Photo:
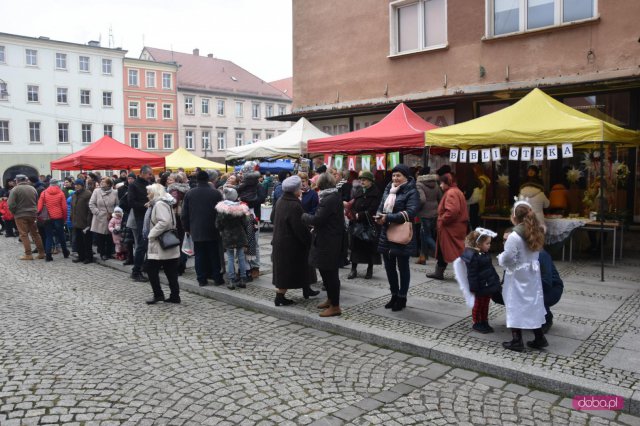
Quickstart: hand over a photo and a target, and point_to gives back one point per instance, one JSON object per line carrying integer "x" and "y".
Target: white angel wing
{"x": 460, "y": 271}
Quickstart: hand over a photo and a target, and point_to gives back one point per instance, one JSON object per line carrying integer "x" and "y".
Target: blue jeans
{"x": 54, "y": 227}
{"x": 231, "y": 261}
{"x": 427, "y": 226}
{"x": 207, "y": 261}
{"x": 402, "y": 262}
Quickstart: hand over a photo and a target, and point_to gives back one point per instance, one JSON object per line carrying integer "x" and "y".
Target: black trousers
{"x": 104, "y": 244}
{"x": 170, "y": 267}
{"x": 83, "y": 244}
{"x": 331, "y": 281}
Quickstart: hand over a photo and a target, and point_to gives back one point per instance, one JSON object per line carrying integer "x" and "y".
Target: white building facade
{"x": 55, "y": 99}
{"x": 220, "y": 104}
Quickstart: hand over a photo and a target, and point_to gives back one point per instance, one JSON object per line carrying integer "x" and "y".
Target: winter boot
{"x": 282, "y": 301}
{"x": 540, "y": 341}
{"x": 354, "y": 272}
{"x": 400, "y": 304}
{"x": 392, "y": 302}
{"x": 516, "y": 342}
{"x": 369, "y": 273}
{"x": 422, "y": 260}
{"x": 438, "y": 274}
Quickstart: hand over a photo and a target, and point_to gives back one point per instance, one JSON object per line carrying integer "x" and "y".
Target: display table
{"x": 265, "y": 211}
{"x": 613, "y": 226}
{"x": 558, "y": 230}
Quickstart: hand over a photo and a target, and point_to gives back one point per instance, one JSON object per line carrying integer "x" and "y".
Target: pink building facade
{"x": 150, "y": 102}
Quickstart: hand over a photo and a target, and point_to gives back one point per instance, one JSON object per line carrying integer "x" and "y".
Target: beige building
{"x": 220, "y": 104}
{"x": 454, "y": 60}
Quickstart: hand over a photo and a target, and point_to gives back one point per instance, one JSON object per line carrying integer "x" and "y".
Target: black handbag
{"x": 364, "y": 231}
{"x": 169, "y": 239}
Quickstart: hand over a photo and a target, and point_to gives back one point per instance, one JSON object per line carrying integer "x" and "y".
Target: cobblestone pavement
{"x": 79, "y": 345}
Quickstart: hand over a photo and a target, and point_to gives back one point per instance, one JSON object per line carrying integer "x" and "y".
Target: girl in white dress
{"x": 522, "y": 290}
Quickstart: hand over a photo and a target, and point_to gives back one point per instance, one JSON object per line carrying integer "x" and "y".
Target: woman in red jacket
{"x": 55, "y": 201}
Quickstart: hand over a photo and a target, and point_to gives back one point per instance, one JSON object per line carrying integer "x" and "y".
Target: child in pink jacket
{"x": 115, "y": 227}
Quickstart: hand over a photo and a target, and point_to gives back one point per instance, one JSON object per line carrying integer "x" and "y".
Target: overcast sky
{"x": 255, "y": 34}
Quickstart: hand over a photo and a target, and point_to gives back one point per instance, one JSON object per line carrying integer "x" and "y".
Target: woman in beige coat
{"x": 102, "y": 204}
{"x": 159, "y": 219}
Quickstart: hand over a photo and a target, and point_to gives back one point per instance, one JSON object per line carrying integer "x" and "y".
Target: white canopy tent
{"x": 292, "y": 143}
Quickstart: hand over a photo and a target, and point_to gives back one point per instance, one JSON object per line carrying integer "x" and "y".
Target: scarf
{"x": 391, "y": 199}
{"x": 322, "y": 194}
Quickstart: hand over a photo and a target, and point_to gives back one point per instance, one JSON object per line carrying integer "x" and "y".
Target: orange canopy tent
{"x": 107, "y": 154}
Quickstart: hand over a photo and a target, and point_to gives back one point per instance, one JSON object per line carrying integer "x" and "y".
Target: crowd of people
{"x": 323, "y": 220}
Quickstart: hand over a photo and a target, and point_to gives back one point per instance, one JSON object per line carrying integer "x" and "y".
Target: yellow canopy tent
{"x": 536, "y": 119}
{"x": 188, "y": 161}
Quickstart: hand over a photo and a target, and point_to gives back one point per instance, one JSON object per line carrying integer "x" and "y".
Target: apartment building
{"x": 220, "y": 104}
{"x": 454, "y": 60}
{"x": 56, "y": 98}
{"x": 150, "y": 105}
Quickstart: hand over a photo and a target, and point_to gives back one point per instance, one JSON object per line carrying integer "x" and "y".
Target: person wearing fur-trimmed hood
{"x": 231, "y": 221}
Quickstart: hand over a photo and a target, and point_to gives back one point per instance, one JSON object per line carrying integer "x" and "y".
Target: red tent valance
{"x": 107, "y": 154}
{"x": 401, "y": 129}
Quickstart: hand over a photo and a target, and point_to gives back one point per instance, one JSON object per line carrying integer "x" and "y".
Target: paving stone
{"x": 628, "y": 420}
{"x": 491, "y": 381}
{"x": 520, "y": 390}
{"x": 464, "y": 374}
{"x": 545, "y": 396}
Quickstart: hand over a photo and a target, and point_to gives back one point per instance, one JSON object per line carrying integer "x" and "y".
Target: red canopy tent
{"x": 107, "y": 154}
{"x": 401, "y": 129}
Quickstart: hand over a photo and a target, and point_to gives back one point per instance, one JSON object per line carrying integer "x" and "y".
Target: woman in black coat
{"x": 328, "y": 245}
{"x": 364, "y": 208}
{"x": 399, "y": 196}
{"x": 291, "y": 241}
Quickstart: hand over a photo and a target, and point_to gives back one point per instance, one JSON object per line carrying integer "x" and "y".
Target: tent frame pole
{"x": 601, "y": 210}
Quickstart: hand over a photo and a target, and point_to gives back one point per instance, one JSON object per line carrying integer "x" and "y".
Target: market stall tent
{"x": 536, "y": 119}
{"x": 401, "y": 129}
{"x": 272, "y": 166}
{"x": 292, "y": 143}
{"x": 181, "y": 158}
{"x": 107, "y": 154}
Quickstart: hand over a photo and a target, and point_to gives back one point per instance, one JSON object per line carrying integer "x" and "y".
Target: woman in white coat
{"x": 522, "y": 289}
{"x": 102, "y": 204}
{"x": 159, "y": 219}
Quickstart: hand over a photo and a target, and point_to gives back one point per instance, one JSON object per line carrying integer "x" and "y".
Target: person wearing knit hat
{"x": 79, "y": 182}
{"x": 231, "y": 222}
{"x": 115, "y": 228}
{"x": 364, "y": 241}
{"x": 292, "y": 184}
{"x": 202, "y": 176}
{"x": 230, "y": 194}
{"x": 453, "y": 221}
{"x": 400, "y": 204}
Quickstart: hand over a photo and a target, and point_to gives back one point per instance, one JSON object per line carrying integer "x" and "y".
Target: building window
{"x": 4, "y": 93}
{"x": 166, "y": 80}
{"x": 84, "y": 63}
{"x": 282, "y": 109}
{"x": 239, "y": 138}
{"x": 32, "y": 93}
{"x": 31, "y": 57}
{"x": 134, "y": 109}
{"x": 61, "y": 61}
{"x": 222, "y": 140}
{"x": 107, "y": 99}
{"x": 106, "y": 66}
{"x": 151, "y": 141}
{"x": 108, "y": 130}
{"x": 34, "y": 131}
{"x": 206, "y": 141}
{"x": 2, "y": 59}
{"x": 255, "y": 111}
{"x": 150, "y": 79}
{"x": 418, "y": 25}
{"x": 134, "y": 140}
{"x": 256, "y": 137}
{"x": 133, "y": 77}
{"x": 239, "y": 109}
{"x": 167, "y": 141}
{"x": 188, "y": 139}
{"x": 62, "y": 95}
{"x": 221, "y": 107}
{"x": 86, "y": 133}
{"x": 167, "y": 111}
{"x": 151, "y": 110}
{"x": 205, "y": 107}
{"x": 85, "y": 97}
{"x": 268, "y": 110}
{"x": 269, "y": 135}
{"x": 188, "y": 105}
{"x": 4, "y": 131}
{"x": 63, "y": 132}
{"x": 516, "y": 16}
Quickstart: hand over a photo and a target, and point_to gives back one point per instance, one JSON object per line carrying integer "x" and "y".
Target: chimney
{"x": 196, "y": 52}
{"x": 210, "y": 55}
{"x": 94, "y": 43}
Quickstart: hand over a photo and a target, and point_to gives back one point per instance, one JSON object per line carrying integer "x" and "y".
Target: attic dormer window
{"x": 233, "y": 78}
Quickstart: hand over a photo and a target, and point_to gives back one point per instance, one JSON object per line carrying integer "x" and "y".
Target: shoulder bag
{"x": 364, "y": 231}
{"x": 169, "y": 239}
{"x": 43, "y": 216}
{"x": 400, "y": 233}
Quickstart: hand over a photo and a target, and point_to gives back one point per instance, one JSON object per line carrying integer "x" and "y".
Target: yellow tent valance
{"x": 536, "y": 119}
{"x": 188, "y": 161}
